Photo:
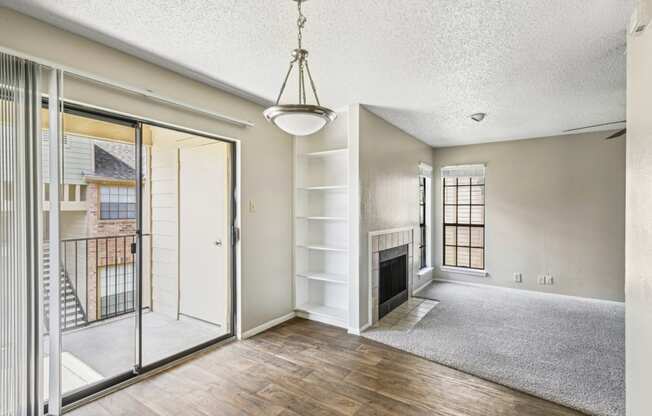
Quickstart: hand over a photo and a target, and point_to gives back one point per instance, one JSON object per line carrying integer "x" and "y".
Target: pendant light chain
{"x": 300, "y": 56}
{"x": 299, "y": 118}
{"x": 301, "y": 22}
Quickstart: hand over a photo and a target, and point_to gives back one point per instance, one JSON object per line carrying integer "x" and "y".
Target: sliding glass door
{"x": 146, "y": 247}
{"x": 116, "y": 245}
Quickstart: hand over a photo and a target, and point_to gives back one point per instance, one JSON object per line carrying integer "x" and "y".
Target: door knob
{"x": 218, "y": 243}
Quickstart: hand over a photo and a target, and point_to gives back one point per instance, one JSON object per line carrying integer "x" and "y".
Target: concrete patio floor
{"x": 107, "y": 349}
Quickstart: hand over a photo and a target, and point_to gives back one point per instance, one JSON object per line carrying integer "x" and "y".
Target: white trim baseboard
{"x": 461, "y": 282}
{"x": 358, "y": 331}
{"x": 267, "y": 325}
{"x": 324, "y": 319}
{"x": 415, "y": 291}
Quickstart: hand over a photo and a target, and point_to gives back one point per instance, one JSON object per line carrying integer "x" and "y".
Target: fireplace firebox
{"x": 392, "y": 279}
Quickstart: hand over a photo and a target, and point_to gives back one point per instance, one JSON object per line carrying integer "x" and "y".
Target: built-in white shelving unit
{"x": 322, "y": 218}
{"x": 324, "y": 188}
{"x": 325, "y": 153}
{"x": 322, "y": 247}
{"x": 340, "y": 279}
{"x": 323, "y": 224}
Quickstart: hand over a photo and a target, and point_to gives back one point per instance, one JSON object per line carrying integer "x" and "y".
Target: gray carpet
{"x": 567, "y": 350}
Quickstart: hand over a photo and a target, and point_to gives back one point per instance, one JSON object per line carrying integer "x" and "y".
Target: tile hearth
{"x": 406, "y": 316}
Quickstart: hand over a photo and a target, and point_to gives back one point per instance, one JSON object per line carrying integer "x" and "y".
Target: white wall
{"x": 266, "y": 152}
{"x": 389, "y": 188}
{"x": 73, "y": 224}
{"x": 638, "y": 288}
{"x": 553, "y": 205}
{"x": 164, "y": 225}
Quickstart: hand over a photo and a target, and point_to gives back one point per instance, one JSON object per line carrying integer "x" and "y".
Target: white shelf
{"x": 322, "y": 224}
{"x": 323, "y": 310}
{"x": 326, "y": 153}
{"x": 316, "y": 218}
{"x": 325, "y": 277}
{"x": 321, "y": 247}
{"x": 324, "y": 188}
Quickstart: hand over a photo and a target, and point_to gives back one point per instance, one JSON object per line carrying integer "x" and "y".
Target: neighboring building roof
{"x": 108, "y": 165}
{"x": 123, "y": 151}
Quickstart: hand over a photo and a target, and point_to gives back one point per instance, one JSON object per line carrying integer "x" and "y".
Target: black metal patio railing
{"x": 97, "y": 279}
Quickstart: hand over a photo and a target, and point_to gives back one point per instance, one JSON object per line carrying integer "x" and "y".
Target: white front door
{"x": 204, "y": 232}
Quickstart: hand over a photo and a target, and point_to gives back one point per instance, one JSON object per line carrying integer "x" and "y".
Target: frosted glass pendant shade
{"x": 299, "y": 119}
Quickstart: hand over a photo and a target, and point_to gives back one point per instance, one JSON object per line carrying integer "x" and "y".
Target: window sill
{"x": 462, "y": 270}
{"x": 425, "y": 270}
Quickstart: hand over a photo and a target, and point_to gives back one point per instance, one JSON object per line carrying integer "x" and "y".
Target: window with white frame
{"x": 117, "y": 202}
{"x": 464, "y": 216}
{"x": 425, "y": 217}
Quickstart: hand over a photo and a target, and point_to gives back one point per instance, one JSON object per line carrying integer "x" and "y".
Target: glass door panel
{"x": 97, "y": 232}
{"x": 187, "y": 248}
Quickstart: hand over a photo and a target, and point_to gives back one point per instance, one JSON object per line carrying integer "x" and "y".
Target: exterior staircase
{"x": 72, "y": 311}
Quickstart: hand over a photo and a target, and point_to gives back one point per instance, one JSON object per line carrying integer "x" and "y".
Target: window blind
{"x": 464, "y": 216}
{"x": 425, "y": 170}
{"x": 477, "y": 170}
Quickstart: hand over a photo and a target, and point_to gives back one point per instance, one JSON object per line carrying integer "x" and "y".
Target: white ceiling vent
{"x": 641, "y": 17}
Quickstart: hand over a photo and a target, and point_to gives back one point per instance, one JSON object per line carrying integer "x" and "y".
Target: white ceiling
{"x": 536, "y": 67}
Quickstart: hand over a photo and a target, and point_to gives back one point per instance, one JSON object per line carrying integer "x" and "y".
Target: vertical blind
{"x": 20, "y": 102}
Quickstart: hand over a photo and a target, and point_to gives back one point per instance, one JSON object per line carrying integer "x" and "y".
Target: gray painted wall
{"x": 639, "y": 225}
{"x": 553, "y": 205}
{"x": 389, "y": 187}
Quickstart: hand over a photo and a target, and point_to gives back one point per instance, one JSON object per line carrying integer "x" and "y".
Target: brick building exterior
{"x": 103, "y": 251}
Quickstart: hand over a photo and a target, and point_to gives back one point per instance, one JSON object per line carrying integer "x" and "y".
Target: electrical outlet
{"x": 541, "y": 279}
{"x": 550, "y": 280}
{"x": 252, "y": 206}
{"x": 518, "y": 277}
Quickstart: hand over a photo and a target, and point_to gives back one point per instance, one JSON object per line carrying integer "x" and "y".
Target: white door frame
{"x": 225, "y": 238}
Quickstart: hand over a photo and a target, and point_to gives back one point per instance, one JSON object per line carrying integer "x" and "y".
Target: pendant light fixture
{"x": 300, "y": 119}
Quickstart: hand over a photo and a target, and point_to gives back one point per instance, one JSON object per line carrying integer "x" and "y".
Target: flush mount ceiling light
{"x": 299, "y": 119}
{"x": 478, "y": 116}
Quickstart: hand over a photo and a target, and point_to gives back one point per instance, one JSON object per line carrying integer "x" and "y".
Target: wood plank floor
{"x": 306, "y": 368}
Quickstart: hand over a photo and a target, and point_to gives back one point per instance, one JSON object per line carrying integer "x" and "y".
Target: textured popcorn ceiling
{"x": 536, "y": 67}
